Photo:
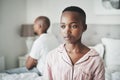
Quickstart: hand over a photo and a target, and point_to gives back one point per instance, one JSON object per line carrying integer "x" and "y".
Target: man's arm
{"x": 30, "y": 63}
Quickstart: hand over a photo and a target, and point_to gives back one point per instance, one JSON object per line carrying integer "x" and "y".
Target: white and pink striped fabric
{"x": 59, "y": 66}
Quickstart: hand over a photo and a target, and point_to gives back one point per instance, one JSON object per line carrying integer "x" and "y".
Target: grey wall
{"x": 12, "y": 15}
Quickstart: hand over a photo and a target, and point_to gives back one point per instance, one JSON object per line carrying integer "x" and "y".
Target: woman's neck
{"x": 74, "y": 48}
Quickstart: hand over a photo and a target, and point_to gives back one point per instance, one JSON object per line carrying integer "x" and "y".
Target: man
{"x": 42, "y": 45}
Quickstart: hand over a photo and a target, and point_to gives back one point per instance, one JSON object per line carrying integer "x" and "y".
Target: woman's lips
{"x": 67, "y": 37}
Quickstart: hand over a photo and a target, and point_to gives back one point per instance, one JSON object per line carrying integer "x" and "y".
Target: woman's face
{"x": 71, "y": 27}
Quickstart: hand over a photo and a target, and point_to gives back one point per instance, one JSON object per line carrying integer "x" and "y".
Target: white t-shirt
{"x": 40, "y": 48}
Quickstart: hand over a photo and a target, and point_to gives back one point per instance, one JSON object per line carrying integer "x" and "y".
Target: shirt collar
{"x": 65, "y": 57}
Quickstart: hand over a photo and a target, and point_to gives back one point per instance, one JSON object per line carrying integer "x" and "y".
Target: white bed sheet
{"x": 22, "y": 76}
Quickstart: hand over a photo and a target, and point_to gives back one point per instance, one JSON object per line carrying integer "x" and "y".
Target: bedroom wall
{"x": 12, "y": 15}
{"x": 53, "y": 10}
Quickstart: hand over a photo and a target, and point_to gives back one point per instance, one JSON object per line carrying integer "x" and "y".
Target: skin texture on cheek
{"x": 74, "y": 37}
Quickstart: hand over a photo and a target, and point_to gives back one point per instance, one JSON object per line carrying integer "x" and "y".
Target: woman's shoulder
{"x": 95, "y": 56}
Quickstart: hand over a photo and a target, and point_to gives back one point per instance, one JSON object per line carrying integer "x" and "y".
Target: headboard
{"x": 93, "y": 34}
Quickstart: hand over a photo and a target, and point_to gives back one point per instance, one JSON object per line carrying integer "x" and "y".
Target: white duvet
{"x": 22, "y": 76}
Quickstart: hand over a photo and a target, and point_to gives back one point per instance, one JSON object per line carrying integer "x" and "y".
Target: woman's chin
{"x": 68, "y": 42}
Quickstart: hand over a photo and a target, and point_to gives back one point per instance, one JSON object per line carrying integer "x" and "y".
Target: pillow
{"x": 116, "y": 76}
{"x": 111, "y": 72}
{"x": 107, "y": 74}
{"x": 113, "y": 69}
{"x": 112, "y": 51}
{"x": 99, "y": 48}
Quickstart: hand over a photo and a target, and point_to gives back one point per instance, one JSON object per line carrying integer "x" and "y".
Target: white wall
{"x": 53, "y": 9}
{"x": 12, "y": 15}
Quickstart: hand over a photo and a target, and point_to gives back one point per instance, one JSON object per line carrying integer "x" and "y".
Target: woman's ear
{"x": 84, "y": 27}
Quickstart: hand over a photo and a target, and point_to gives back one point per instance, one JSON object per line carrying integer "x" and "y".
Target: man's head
{"x": 41, "y": 24}
{"x": 73, "y": 23}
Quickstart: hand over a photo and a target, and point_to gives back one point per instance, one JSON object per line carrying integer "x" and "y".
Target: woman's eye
{"x": 62, "y": 26}
{"x": 74, "y": 26}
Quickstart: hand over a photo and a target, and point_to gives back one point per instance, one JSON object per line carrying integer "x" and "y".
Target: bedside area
{"x": 22, "y": 61}
{"x": 2, "y": 63}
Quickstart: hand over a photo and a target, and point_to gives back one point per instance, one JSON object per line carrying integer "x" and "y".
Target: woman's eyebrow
{"x": 73, "y": 22}
{"x": 70, "y": 23}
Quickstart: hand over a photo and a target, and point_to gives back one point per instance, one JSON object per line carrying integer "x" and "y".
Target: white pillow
{"x": 116, "y": 76}
{"x": 99, "y": 48}
{"x": 107, "y": 74}
{"x": 111, "y": 72}
{"x": 112, "y": 51}
{"x": 113, "y": 69}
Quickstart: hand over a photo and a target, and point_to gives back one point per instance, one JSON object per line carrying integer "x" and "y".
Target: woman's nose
{"x": 67, "y": 30}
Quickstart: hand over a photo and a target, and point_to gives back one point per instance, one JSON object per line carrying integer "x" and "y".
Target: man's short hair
{"x": 45, "y": 19}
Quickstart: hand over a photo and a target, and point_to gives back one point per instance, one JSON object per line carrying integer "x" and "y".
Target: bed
{"x": 105, "y": 38}
{"x": 21, "y": 76}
